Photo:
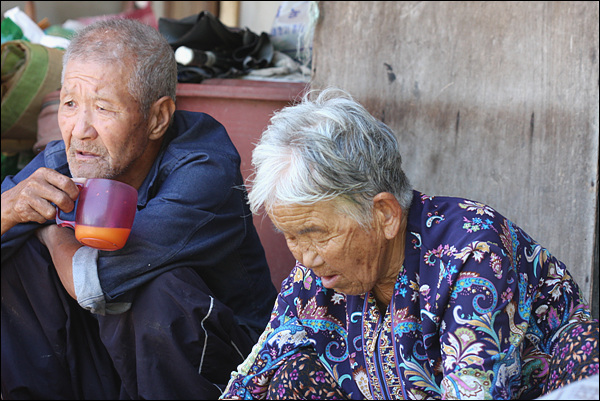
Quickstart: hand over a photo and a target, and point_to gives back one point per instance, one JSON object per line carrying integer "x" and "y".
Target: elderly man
{"x": 173, "y": 312}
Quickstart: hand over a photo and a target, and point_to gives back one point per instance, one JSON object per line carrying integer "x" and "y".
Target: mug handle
{"x": 66, "y": 223}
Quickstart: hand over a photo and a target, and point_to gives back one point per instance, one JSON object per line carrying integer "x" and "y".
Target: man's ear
{"x": 160, "y": 117}
{"x": 389, "y": 213}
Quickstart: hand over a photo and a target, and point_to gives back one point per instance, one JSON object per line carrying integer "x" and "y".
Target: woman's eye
{"x": 321, "y": 243}
{"x": 320, "y": 238}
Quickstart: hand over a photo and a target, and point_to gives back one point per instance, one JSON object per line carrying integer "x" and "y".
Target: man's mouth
{"x": 83, "y": 155}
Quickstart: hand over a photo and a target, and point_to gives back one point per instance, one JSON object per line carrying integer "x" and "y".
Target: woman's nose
{"x": 311, "y": 258}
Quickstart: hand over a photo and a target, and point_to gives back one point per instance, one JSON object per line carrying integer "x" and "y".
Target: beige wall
{"x": 493, "y": 101}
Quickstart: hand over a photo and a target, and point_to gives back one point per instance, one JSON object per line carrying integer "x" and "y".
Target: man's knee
{"x": 177, "y": 297}
{"x": 175, "y": 317}
{"x": 32, "y": 257}
{"x": 30, "y": 281}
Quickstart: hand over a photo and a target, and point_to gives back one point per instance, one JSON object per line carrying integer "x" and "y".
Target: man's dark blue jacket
{"x": 192, "y": 212}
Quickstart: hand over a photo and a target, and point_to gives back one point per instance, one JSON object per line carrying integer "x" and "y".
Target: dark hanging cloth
{"x": 233, "y": 51}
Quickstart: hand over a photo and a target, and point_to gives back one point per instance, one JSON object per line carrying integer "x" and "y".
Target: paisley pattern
{"x": 476, "y": 311}
{"x": 575, "y": 355}
{"x": 303, "y": 377}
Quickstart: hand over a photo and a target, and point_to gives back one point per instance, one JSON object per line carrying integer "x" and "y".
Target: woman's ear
{"x": 160, "y": 116}
{"x": 388, "y": 212}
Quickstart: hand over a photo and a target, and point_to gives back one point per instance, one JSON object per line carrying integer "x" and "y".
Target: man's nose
{"x": 83, "y": 127}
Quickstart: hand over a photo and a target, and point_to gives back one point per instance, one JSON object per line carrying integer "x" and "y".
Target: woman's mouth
{"x": 329, "y": 281}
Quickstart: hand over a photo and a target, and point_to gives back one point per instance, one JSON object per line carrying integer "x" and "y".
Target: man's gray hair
{"x": 138, "y": 46}
{"x": 328, "y": 149}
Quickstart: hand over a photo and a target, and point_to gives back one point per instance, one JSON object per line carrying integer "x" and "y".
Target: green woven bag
{"x": 29, "y": 72}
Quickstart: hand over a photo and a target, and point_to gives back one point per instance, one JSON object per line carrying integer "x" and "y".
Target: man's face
{"x": 347, "y": 257}
{"x": 103, "y": 130}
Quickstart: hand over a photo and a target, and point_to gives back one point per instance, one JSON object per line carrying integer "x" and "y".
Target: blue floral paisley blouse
{"x": 474, "y": 312}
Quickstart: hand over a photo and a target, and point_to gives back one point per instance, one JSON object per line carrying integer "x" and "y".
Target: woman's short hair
{"x": 138, "y": 46}
{"x": 327, "y": 149}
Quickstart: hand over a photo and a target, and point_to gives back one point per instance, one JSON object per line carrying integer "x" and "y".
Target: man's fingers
{"x": 34, "y": 199}
{"x": 60, "y": 181}
{"x": 27, "y": 213}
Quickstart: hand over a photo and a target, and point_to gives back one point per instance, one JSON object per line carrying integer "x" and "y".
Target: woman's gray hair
{"x": 331, "y": 148}
{"x": 135, "y": 45}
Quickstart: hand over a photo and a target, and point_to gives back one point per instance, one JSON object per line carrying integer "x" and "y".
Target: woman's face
{"x": 347, "y": 257}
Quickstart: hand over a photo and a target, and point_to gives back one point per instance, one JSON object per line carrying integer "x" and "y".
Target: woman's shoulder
{"x": 455, "y": 220}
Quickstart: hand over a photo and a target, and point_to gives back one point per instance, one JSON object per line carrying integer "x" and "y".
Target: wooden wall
{"x": 493, "y": 101}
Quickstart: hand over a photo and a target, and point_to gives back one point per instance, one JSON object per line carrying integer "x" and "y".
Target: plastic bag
{"x": 293, "y": 28}
{"x": 32, "y": 32}
{"x": 11, "y": 31}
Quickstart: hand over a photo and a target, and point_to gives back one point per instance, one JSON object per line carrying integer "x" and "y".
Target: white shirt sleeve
{"x": 87, "y": 284}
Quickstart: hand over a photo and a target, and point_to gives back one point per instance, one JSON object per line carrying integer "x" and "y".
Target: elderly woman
{"x": 396, "y": 294}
